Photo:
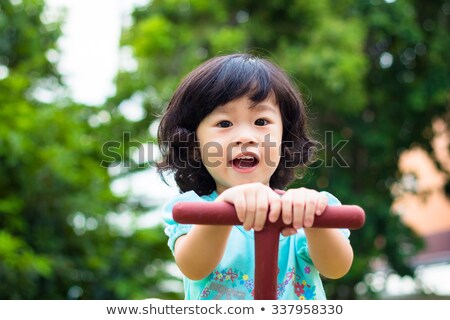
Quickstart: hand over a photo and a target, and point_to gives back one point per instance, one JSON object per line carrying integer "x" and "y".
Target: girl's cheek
{"x": 213, "y": 155}
{"x": 275, "y": 154}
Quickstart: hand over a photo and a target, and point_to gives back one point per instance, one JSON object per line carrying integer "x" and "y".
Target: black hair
{"x": 214, "y": 83}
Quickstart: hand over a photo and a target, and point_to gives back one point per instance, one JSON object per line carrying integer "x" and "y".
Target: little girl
{"x": 235, "y": 131}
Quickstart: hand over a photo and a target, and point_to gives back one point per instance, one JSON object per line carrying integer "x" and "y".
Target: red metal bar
{"x": 266, "y": 240}
{"x": 266, "y": 263}
{"x": 223, "y": 213}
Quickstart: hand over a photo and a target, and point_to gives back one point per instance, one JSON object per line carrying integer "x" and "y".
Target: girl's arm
{"x": 330, "y": 252}
{"x": 329, "y": 249}
{"x": 200, "y": 251}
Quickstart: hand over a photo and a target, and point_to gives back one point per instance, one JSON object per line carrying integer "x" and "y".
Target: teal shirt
{"x": 233, "y": 278}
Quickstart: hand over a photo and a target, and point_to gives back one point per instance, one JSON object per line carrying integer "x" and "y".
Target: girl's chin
{"x": 236, "y": 179}
{"x": 237, "y": 182}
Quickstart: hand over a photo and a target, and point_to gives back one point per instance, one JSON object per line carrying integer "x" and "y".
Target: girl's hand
{"x": 252, "y": 201}
{"x": 299, "y": 207}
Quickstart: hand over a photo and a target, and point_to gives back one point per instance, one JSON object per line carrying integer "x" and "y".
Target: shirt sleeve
{"x": 301, "y": 241}
{"x": 172, "y": 229}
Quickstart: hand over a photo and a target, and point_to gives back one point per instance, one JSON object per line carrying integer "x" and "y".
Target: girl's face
{"x": 241, "y": 142}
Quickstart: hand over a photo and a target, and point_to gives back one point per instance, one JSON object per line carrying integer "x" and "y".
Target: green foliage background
{"x": 56, "y": 238}
{"x": 375, "y": 73}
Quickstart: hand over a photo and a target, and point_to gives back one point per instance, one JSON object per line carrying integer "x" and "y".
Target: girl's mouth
{"x": 245, "y": 162}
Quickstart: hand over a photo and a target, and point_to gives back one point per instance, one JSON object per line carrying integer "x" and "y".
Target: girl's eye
{"x": 261, "y": 122}
{"x": 224, "y": 124}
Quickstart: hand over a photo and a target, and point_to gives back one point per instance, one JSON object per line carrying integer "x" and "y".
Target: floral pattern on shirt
{"x": 302, "y": 289}
{"x": 230, "y": 282}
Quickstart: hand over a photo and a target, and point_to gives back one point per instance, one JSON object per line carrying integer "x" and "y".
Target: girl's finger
{"x": 250, "y": 212}
{"x": 240, "y": 205}
{"x": 288, "y": 232}
{"x": 310, "y": 208}
{"x": 322, "y": 204}
{"x": 275, "y": 207}
{"x": 286, "y": 207}
{"x": 298, "y": 204}
{"x": 262, "y": 206}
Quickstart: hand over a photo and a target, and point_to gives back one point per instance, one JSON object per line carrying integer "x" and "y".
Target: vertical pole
{"x": 266, "y": 263}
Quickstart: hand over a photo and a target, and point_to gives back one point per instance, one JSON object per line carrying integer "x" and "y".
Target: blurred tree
{"x": 57, "y": 236}
{"x": 375, "y": 73}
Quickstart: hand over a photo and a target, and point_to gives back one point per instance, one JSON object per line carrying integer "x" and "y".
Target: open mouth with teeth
{"x": 245, "y": 162}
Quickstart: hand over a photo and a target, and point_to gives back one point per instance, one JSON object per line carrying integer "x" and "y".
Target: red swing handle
{"x": 223, "y": 213}
{"x": 266, "y": 240}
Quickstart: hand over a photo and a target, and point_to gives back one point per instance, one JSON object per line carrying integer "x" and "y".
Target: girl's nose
{"x": 245, "y": 138}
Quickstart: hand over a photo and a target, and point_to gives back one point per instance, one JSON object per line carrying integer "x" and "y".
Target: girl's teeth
{"x": 245, "y": 162}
